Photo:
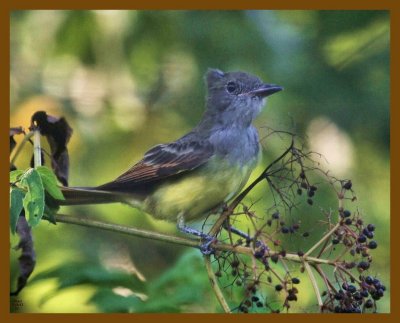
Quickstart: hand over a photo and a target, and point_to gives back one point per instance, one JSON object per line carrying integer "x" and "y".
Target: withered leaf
{"x": 57, "y": 132}
{"x": 27, "y": 259}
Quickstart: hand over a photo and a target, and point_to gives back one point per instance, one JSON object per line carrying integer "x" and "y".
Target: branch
{"x": 325, "y": 237}
{"x": 215, "y": 286}
{"x": 314, "y": 284}
{"x": 37, "y": 150}
{"x": 126, "y": 230}
{"x": 196, "y": 243}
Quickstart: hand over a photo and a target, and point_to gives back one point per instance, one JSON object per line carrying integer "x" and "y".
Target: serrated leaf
{"x": 49, "y": 181}
{"x": 16, "y": 206}
{"x": 34, "y": 198}
{"x": 15, "y": 175}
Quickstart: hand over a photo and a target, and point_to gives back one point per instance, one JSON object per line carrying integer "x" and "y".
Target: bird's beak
{"x": 266, "y": 90}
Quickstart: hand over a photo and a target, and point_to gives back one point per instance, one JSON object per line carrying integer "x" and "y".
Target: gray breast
{"x": 237, "y": 145}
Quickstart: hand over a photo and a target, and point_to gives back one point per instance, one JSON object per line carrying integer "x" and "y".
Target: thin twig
{"x": 37, "y": 150}
{"x": 27, "y": 138}
{"x": 314, "y": 283}
{"x": 322, "y": 240}
{"x": 126, "y": 230}
{"x": 215, "y": 285}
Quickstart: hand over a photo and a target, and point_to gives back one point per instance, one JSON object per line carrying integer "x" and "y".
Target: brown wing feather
{"x": 160, "y": 162}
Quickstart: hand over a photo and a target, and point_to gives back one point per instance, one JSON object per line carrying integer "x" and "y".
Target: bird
{"x": 186, "y": 179}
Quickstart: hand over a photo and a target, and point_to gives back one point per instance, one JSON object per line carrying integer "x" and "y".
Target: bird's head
{"x": 236, "y": 97}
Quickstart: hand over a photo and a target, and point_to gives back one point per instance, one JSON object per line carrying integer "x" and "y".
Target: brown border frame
{"x": 392, "y": 5}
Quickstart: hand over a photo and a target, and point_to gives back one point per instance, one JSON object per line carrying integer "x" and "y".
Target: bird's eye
{"x": 231, "y": 87}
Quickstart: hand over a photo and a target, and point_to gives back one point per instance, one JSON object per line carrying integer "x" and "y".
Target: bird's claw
{"x": 206, "y": 242}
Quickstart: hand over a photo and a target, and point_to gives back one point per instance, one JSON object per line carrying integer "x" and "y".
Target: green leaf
{"x": 16, "y": 205}
{"x": 49, "y": 181}
{"x": 15, "y": 175}
{"x": 34, "y": 198}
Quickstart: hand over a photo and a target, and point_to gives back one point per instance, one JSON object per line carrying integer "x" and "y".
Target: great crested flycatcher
{"x": 185, "y": 179}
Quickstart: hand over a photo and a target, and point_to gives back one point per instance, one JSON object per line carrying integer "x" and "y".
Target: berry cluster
{"x": 261, "y": 262}
{"x": 350, "y": 299}
{"x": 283, "y": 227}
{"x": 304, "y": 185}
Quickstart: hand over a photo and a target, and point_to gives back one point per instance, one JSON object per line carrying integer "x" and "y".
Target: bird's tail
{"x": 88, "y": 195}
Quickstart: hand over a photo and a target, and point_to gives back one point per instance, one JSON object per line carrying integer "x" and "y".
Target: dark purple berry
{"x": 306, "y": 234}
{"x": 346, "y": 213}
{"x": 299, "y": 191}
{"x": 372, "y": 244}
{"x": 371, "y": 227}
{"x": 348, "y": 221}
{"x": 369, "y": 280}
{"x": 285, "y": 230}
{"x": 275, "y": 258}
{"x": 376, "y": 282}
{"x": 338, "y": 297}
{"x": 310, "y": 201}
{"x": 350, "y": 288}
{"x": 368, "y": 233}
{"x": 375, "y": 296}
{"x": 278, "y": 287}
{"x": 295, "y": 280}
{"x": 275, "y": 215}
{"x": 362, "y": 238}
{"x": 363, "y": 265}
{"x": 310, "y": 193}
{"x": 243, "y": 309}
{"x": 357, "y": 296}
{"x": 369, "y": 303}
{"x": 313, "y": 188}
{"x": 347, "y": 185}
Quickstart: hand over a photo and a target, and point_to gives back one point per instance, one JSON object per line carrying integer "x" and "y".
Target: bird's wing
{"x": 163, "y": 161}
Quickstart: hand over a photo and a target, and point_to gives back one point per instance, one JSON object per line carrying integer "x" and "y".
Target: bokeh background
{"x": 127, "y": 80}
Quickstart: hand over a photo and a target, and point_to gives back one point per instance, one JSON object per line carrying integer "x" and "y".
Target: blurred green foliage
{"x": 127, "y": 80}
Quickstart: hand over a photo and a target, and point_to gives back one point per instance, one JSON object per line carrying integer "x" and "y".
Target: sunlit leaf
{"x": 15, "y": 175}
{"x": 49, "y": 181}
{"x": 34, "y": 197}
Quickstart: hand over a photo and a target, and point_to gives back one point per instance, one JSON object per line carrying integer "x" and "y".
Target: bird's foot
{"x": 206, "y": 245}
{"x": 206, "y": 240}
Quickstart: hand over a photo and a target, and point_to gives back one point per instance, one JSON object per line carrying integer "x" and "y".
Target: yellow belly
{"x": 197, "y": 193}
